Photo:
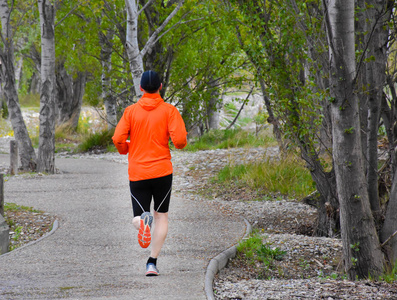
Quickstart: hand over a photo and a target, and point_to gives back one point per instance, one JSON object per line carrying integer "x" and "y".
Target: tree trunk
{"x": 361, "y": 251}
{"x": 18, "y": 73}
{"x": 388, "y": 116}
{"x": 271, "y": 119}
{"x": 34, "y": 87}
{"x": 361, "y": 39}
{"x": 376, "y": 77}
{"x": 79, "y": 84}
{"x": 26, "y": 151}
{"x": 390, "y": 225}
{"x": 46, "y": 154}
{"x": 69, "y": 95}
{"x": 106, "y": 61}
{"x": 135, "y": 56}
{"x": 64, "y": 93}
{"x": 328, "y": 220}
{"x": 214, "y": 105}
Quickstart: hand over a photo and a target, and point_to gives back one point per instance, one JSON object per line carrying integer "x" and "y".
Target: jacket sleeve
{"x": 122, "y": 133}
{"x": 177, "y": 129}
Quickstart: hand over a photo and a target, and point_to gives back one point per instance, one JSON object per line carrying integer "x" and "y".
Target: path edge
{"x": 55, "y": 226}
{"x": 219, "y": 262}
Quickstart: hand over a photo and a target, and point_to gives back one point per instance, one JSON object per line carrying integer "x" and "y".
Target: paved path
{"x": 94, "y": 253}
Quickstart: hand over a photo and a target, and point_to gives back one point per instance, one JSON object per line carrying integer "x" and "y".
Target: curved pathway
{"x": 94, "y": 253}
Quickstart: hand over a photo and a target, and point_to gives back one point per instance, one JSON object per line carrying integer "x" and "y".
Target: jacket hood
{"x": 150, "y": 101}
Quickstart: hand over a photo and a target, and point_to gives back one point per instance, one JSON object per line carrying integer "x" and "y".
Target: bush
{"x": 100, "y": 140}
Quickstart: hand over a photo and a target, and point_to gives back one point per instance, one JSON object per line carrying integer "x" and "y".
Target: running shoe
{"x": 144, "y": 236}
{"x": 151, "y": 270}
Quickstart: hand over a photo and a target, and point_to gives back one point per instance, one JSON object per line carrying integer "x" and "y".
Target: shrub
{"x": 288, "y": 177}
{"x": 99, "y": 140}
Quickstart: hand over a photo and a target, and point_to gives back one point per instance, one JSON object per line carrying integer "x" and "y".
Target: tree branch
{"x": 67, "y": 15}
{"x": 151, "y": 42}
{"x": 242, "y": 106}
{"x": 144, "y": 7}
{"x": 388, "y": 240}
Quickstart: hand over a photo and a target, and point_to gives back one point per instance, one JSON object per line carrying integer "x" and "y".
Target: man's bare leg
{"x": 159, "y": 233}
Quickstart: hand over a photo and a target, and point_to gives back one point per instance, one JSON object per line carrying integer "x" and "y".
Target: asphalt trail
{"x": 94, "y": 253}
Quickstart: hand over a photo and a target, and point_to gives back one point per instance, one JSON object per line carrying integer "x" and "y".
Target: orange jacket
{"x": 149, "y": 123}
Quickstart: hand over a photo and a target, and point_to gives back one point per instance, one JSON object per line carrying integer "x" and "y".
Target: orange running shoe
{"x": 144, "y": 235}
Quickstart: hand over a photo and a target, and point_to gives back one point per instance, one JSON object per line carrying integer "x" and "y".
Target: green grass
{"x": 267, "y": 254}
{"x": 389, "y": 276}
{"x": 288, "y": 177}
{"x": 248, "y": 247}
{"x": 253, "y": 250}
{"x": 233, "y": 138}
{"x": 98, "y": 140}
{"x": 15, "y": 207}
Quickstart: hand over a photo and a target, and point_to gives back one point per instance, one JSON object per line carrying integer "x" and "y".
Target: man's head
{"x": 150, "y": 82}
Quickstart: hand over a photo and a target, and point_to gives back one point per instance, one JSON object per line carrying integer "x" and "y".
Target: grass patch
{"x": 389, "y": 276}
{"x": 5, "y": 128}
{"x": 100, "y": 140}
{"x": 15, "y": 207}
{"x": 288, "y": 177}
{"x": 30, "y": 101}
{"x": 253, "y": 251}
{"x": 232, "y": 138}
{"x": 66, "y": 139}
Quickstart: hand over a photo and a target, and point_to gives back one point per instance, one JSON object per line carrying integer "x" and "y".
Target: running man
{"x": 149, "y": 124}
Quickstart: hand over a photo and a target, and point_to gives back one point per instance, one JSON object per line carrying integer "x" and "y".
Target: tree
{"x": 26, "y": 151}
{"x": 362, "y": 254}
{"x": 388, "y": 114}
{"x": 272, "y": 34}
{"x": 317, "y": 101}
{"x": 106, "y": 60}
{"x": 46, "y": 154}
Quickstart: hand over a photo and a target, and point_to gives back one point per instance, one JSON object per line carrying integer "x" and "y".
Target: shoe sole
{"x": 144, "y": 235}
{"x": 152, "y": 274}
{"x": 151, "y": 270}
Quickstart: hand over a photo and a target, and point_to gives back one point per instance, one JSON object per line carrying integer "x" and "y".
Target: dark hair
{"x": 150, "y": 81}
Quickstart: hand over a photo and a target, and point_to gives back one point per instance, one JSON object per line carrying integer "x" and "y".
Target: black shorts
{"x": 142, "y": 192}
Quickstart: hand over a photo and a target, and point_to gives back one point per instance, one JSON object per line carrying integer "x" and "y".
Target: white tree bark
{"x": 106, "y": 61}
{"x": 18, "y": 73}
{"x": 361, "y": 248}
{"x": 135, "y": 55}
{"x": 46, "y": 154}
{"x": 26, "y": 151}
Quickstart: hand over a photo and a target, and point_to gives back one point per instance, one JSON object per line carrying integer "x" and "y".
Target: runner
{"x": 149, "y": 124}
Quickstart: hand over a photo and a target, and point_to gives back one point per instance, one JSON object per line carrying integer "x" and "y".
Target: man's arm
{"x": 177, "y": 129}
{"x": 122, "y": 133}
